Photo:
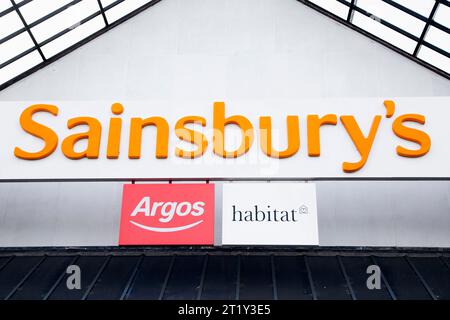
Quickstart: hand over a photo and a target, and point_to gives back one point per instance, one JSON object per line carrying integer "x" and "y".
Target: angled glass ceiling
{"x": 34, "y": 33}
{"x": 419, "y": 28}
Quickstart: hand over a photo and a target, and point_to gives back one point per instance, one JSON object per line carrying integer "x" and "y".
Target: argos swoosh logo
{"x": 174, "y": 229}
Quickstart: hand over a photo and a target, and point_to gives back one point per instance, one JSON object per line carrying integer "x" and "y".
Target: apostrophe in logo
{"x": 162, "y": 214}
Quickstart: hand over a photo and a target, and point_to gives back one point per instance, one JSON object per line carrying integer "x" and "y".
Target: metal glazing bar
{"x": 77, "y": 44}
{"x": 347, "y": 280}
{"x": 390, "y": 45}
{"x": 97, "y": 276}
{"x": 112, "y": 5}
{"x": 55, "y": 285}
{"x": 103, "y": 12}
{"x": 421, "y": 278}
{"x": 28, "y": 30}
{"x": 311, "y": 283}
{"x": 202, "y": 278}
{"x": 20, "y": 55}
{"x": 351, "y": 11}
{"x": 445, "y": 262}
{"x": 445, "y": 2}
{"x": 27, "y": 275}
{"x": 274, "y": 278}
{"x": 130, "y": 282}
{"x": 63, "y": 32}
{"x": 405, "y": 10}
{"x": 166, "y": 280}
{"x": 386, "y": 283}
{"x": 437, "y": 49}
{"x": 238, "y": 278}
{"x": 52, "y": 38}
{"x": 39, "y": 21}
{"x": 383, "y": 22}
{"x": 6, "y": 263}
{"x": 11, "y": 9}
{"x": 426, "y": 28}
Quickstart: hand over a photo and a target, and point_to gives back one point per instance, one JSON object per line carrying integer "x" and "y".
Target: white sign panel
{"x": 326, "y": 138}
{"x": 269, "y": 214}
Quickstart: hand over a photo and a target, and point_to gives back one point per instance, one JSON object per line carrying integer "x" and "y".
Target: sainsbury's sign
{"x": 370, "y": 137}
{"x": 167, "y": 214}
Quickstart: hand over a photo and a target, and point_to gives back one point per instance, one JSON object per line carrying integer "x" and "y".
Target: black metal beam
{"x": 11, "y": 9}
{"x": 426, "y": 28}
{"x": 76, "y": 45}
{"x": 28, "y": 29}
{"x": 351, "y": 10}
{"x": 103, "y": 12}
{"x": 39, "y": 21}
{"x": 380, "y": 40}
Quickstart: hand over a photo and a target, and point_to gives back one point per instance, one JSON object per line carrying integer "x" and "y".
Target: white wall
{"x": 221, "y": 50}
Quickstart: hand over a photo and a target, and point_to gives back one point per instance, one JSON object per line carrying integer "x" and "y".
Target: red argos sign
{"x": 167, "y": 214}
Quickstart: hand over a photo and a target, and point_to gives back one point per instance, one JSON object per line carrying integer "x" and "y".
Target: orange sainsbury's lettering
{"x": 293, "y": 137}
{"x": 314, "y": 124}
{"x": 219, "y": 132}
{"x": 115, "y": 129}
{"x": 363, "y": 142}
{"x": 38, "y": 130}
{"x": 191, "y": 136}
{"x": 413, "y": 135}
{"x": 162, "y": 136}
{"x": 93, "y": 136}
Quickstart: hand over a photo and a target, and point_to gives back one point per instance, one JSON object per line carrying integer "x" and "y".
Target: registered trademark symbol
{"x": 303, "y": 209}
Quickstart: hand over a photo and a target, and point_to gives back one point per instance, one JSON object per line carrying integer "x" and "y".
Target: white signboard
{"x": 275, "y": 213}
{"x": 326, "y": 138}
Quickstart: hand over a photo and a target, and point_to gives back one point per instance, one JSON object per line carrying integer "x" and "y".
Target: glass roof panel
{"x": 4, "y": 5}
{"x": 57, "y": 26}
{"x": 76, "y": 34}
{"x": 438, "y": 38}
{"x": 9, "y": 49}
{"x": 422, "y": 7}
{"x": 37, "y": 9}
{"x": 20, "y": 66}
{"x": 69, "y": 18}
{"x": 339, "y": 9}
{"x": 435, "y": 59}
{"x": 9, "y": 23}
{"x": 401, "y": 23}
{"x": 373, "y": 26}
{"x": 443, "y": 15}
{"x": 121, "y": 9}
{"x": 393, "y": 15}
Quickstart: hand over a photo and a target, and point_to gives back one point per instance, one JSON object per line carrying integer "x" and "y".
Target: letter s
{"x": 198, "y": 208}
{"x": 38, "y": 130}
{"x": 191, "y": 136}
{"x": 413, "y": 135}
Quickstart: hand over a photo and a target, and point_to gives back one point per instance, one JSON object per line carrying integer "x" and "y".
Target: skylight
{"x": 35, "y": 32}
{"x": 419, "y": 28}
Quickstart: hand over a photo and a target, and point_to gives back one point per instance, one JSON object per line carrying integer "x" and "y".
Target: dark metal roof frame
{"x": 353, "y": 7}
{"x": 37, "y": 46}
